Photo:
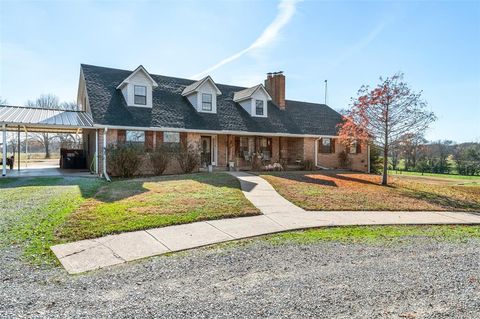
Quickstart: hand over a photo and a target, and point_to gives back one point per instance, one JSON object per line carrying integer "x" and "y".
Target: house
{"x": 229, "y": 123}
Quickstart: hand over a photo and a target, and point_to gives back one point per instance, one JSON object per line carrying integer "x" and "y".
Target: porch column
{"x": 96, "y": 152}
{"x": 4, "y": 151}
{"x": 104, "y": 154}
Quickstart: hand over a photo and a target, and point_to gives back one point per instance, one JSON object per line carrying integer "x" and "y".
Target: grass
{"x": 449, "y": 176}
{"x": 155, "y": 202}
{"x": 357, "y": 191}
{"x": 376, "y": 234}
{"x": 37, "y": 213}
{"x": 31, "y": 210}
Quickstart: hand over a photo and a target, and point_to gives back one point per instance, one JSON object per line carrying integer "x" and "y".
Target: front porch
{"x": 240, "y": 152}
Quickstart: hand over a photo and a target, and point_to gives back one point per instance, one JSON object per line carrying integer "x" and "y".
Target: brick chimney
{"x": 275, "y": 85}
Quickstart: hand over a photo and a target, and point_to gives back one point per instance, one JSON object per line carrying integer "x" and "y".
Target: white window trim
{"x": 211, "y": 102}
{"x": 263, "y": 108}
{"x": 171, "y": 134}
{"x": 146, "y": 95}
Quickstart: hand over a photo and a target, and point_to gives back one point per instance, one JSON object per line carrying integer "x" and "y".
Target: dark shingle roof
{"x": 170, "y": 109}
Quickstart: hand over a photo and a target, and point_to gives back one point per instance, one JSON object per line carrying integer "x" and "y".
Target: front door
{"x": 206, "y": 150}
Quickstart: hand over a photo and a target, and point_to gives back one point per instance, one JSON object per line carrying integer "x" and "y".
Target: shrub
{"x": 188, "y": 157}
{"x": 308, "y": 165}
{"x": 343, "y": 159}
{"x": 122, "y": 159}
{"x": 376, "y": 162}
{"x": 160, "y": 158}
{"x": 256, "y": 163}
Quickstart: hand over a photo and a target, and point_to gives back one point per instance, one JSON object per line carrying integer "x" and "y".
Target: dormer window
{"x": 259, "y": 107}
{"x": 253, "y": 100}
{"x": 140, "y": 97}
{"x": 137, "y": 88}
{"x": 202, "y": 95}
{"x": 206, "y": 102}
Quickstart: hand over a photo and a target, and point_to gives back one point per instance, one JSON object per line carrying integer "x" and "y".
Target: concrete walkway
{"x": 278, "y": 215}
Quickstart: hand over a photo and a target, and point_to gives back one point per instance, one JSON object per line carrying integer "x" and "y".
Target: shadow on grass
{"x": 119, "y": 189}
{"x": 87, "y": 186}
{"x": 444, "y": 201}
{"x": 318, "y": 180}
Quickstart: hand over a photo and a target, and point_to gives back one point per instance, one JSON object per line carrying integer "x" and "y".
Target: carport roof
{"x": 40, "y": 119}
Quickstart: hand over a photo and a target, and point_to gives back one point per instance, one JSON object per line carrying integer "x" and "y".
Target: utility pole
{"x": 325, "y": 92}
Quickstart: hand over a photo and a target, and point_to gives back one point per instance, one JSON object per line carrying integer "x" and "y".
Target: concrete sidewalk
{"x": 279, "y": 215}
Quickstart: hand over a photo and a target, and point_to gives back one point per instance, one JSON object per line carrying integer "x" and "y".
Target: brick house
{"x": 230, "y": 124}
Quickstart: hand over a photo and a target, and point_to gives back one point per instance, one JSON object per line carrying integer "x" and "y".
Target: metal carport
{"x": 37, "y": 120}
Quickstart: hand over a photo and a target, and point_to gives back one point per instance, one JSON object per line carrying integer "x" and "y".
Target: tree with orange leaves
{"x": 384, "y": 114}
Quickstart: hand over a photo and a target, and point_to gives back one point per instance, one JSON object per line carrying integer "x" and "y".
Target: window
{"x": 259, "y": 107}
{"x": 355, "y": 148}
{"x": 206, "y": 102}
{"x": 327, "y": 145}
{"x": 135, "y": 137}
{"x": 266, "y": 148}
{"x": 140, "y": 93}
{"x": 171, "y": 137}
{"x": 246, "y": 147}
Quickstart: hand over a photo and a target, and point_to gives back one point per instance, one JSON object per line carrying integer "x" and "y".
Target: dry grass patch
{"x": 357, "y": 191}
{"x": 128, "y": 205}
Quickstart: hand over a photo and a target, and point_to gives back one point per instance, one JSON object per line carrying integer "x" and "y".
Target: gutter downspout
{"x": 4, "y": 152}
{"x": 105, "y": 155}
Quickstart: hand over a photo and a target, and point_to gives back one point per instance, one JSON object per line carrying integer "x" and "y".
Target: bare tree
{"x": 410, "y": 146}
{"x": 45, "y": 101}
{"x": 385, "y": 114}
{"x": 69, "y": 106}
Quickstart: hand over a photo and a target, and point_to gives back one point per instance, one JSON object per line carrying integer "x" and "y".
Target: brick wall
{"x": 309, "y": 149}
{"x": 358, "y": 162}
{"x": 222, "y": 150}
{"x": 275, "y": 149}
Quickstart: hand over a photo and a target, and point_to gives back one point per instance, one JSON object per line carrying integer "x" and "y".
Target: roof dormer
{"x": 202, "y": 95}
{"x": 137, "y": 88}
{"x": 254, "y": 100}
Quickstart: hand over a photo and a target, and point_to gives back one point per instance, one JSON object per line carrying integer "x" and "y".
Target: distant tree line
{"x": 414, "y": 153}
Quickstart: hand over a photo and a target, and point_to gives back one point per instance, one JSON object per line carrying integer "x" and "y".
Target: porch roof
{"x": 43, "y": 120}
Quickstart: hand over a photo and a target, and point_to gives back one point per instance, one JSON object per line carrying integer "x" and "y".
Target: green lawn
{"x": 39, "y": 212}
{"x": 31, "y": 210}
{"x": 374, "y": 234}
{"x": 452, "y": 176}
{"x": 155, "y": 202}
{"x": 336, "y": 190}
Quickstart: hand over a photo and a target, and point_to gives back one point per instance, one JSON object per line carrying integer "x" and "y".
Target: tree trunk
{"x": 47, "y": 145}
{"x": 385, "y": 166}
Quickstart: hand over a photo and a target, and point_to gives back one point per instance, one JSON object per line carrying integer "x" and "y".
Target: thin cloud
{"x": 286, "y": 10}
{"x": 361, "y": 44}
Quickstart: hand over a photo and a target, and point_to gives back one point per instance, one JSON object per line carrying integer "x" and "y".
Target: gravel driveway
{"x": 414, "y": 278}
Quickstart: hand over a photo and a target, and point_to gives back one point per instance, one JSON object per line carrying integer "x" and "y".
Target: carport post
{"x": 4, "y": 152}
{"x": 19, "y": 145}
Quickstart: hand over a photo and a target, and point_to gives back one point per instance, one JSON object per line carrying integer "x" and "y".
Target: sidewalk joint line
{"x": 275, "y": 222}
{"x": 160, "y": 242}
{"x": 220, "y": 230}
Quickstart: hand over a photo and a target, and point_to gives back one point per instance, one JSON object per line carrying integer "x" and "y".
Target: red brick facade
{"x": 290, "y": 150}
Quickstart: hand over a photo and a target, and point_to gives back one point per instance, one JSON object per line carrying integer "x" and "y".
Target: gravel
{"x": 413, "y": 278}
